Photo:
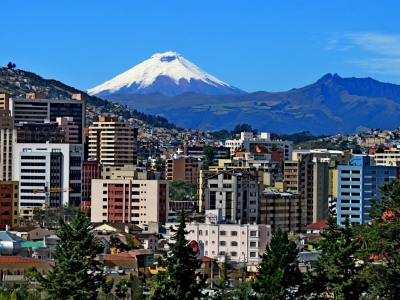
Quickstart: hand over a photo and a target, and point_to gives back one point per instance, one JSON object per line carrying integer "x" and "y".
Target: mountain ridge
{"x": 330, "y": 105}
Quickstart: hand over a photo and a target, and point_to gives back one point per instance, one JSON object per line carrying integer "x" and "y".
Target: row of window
{"x": 224, "y": 233}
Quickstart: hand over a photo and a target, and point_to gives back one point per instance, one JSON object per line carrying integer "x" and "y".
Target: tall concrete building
{"x": 53, "y": 165}
{"x": 358, "y": 183}
{"x": 36, "y": 109}
{"x": 282, "y": 209}
{"x": 113, "y": 143}
{"x": 183, "y": 168}
{"x": 129, "y": 201}
{"x": 235, "y": 192}
{"x": 8, "y": 138}
{"x": 309, "y": 177}
{"x": 8, "y": 204}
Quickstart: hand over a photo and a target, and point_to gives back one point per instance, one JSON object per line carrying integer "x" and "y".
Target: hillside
{"x": 19, "y": 82}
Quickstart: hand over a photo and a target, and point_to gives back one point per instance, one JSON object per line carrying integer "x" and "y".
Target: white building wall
{"x": 241, "y": 242}
{"x": 35, "y": 150}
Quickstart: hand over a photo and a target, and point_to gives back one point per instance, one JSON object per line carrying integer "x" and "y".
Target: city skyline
{"x": 269, "y": 46}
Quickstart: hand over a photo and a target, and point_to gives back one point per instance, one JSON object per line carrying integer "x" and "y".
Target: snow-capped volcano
{"x": 168, "y": 73}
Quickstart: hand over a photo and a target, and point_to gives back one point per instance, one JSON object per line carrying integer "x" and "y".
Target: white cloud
{"x": 382, "y": 44}
{"x": 380, "y": 52}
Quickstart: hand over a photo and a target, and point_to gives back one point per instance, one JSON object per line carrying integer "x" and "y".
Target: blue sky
{"x": 253, "y": 45}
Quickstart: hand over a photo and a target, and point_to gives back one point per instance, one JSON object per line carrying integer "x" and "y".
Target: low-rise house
{"x": 148, "y": 240}
{"x": 32, "y": 232}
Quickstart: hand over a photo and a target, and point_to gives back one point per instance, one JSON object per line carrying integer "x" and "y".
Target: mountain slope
{"x": 329, "y": 106}
{"x": 168, "y": 73}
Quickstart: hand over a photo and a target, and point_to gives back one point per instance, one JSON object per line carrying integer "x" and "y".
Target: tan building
{"x": 69, "y": 127}
{"x": 113, "y": 143}
{"x": 182, "y": 167}
{"x": 310, "y": 178}
{"x": 390, "y": 157}
{"x": 13, "y": 269}
{"x": 7, "y": 142}
{"x": 129, "y": 172}
{"x": 4, "y": 101}
{"x": 129, "y": 201}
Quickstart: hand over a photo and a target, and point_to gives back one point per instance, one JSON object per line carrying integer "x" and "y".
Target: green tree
{"x": 76, "y": 275}
{"x": 21, "y": 293}
{"x": 122, "y": 287}
{"x": 224, "y": 290}
{"x": 107, "y": 286}
{"x": 130, "y": 242}
{"x": 209, "y": 152}
{"x": 180, "y": 280}
{"x": 279, "y": 276}
{"x": 382, "y": 243}
{"x": 243, "y": 290}
{"x": 336, "y": 274}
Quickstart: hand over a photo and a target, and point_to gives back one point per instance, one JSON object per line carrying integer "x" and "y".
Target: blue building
{"x": 358, "y": 183}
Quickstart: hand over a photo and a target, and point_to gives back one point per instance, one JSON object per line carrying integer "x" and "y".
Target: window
{"x": 233, "y": 254}
{"x": 234, "y": 244}
{"x": 222, "y": 252}
{"x": 253, "y": 244}
{"x": 234, "y": 233}
{"x": 253, "y": 233}
{"x": 222, "y": 232}
{"x": 253, "y": 254}
{"x": 222, "y": 243}
{"x": 200, "y": 232}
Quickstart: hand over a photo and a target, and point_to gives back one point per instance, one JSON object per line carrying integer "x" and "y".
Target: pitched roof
{"x": 23, "y": 228}
{"x": 7, "y": 236}
{"x": 20, "y": 260}
{"x": 318, "y": 225}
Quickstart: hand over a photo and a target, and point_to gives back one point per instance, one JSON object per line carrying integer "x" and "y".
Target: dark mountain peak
{"x": 325, "y": 78}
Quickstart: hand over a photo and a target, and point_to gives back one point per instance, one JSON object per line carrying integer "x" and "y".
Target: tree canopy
{"x": 180, "y": 280}
{"x": 279, "y": 277}
{"x": 76, "y": 274}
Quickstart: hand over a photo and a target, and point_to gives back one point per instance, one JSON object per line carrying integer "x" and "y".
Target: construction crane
{"x": 47, "y": 190}
{"x": 52, "y": 190}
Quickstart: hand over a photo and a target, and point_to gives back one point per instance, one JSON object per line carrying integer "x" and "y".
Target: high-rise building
{"x": 57, "y": 166}
{"x": 36, "y": 109}
{"x": 112, "y": 142}
{"x": 358, "y": 183}
{"x": 90, "y": 170}
{"x": 8, "y": 139}
{"x": 8, "y": 204}
{"x": 235, "y": 192}
{"x": 129, "y": 200}
{"x": 183, "y": 168}
{"x": 282, "y": 209}
{"x": 309, "y": 177}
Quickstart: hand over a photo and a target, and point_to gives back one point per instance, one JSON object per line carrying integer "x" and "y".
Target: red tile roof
{"x": 20, "y": 260}
{"x": 318, "y": 225}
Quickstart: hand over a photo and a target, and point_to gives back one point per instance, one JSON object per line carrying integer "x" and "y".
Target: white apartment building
{"x": 249, "y": 143}
{"x": 52, "y": 165}
{"x": 129, "y": 201}
{"x": 243, "y": 242}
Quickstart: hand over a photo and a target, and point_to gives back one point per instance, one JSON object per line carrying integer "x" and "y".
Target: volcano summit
{"x": 168, "y": 73}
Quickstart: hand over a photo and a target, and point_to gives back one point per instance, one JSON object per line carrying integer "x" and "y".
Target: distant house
{"x": 116, "y": 227}
{"x": 317, "y": 227}
{"x": 148, "y": 240}
{"x": 31, "y": 232}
